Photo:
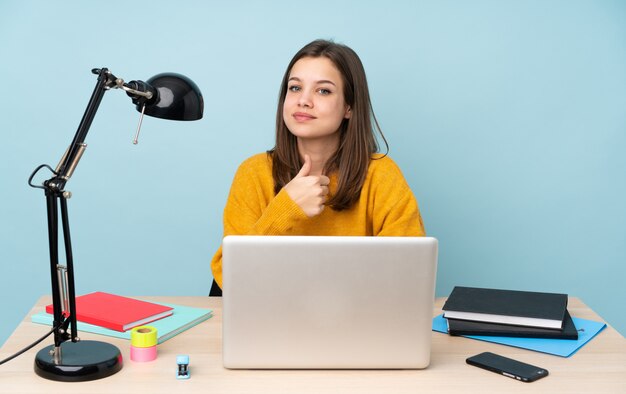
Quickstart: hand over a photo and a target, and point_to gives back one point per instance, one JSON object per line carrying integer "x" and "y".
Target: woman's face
{"x": 314, "y": 106}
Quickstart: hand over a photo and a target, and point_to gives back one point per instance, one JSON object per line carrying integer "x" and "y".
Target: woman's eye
{"x": 294, "y": 88}
{"x": 324, "y": 91}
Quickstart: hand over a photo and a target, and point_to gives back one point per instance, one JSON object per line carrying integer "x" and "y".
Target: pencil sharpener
{"x": 183, "y": 367}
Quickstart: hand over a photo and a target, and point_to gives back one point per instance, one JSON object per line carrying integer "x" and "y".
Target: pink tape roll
{"x": 143, "y": 354}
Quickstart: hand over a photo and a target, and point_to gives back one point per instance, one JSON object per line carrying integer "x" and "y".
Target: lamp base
{"x": 80, "y": 361}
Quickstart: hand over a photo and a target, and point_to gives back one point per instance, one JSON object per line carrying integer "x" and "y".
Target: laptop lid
{"x": 328, "y": 302}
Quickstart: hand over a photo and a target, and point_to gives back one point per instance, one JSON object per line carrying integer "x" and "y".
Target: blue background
{"x": 507, "y": 118}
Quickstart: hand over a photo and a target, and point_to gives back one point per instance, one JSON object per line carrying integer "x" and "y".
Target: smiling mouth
{"x": 302, "y": 117}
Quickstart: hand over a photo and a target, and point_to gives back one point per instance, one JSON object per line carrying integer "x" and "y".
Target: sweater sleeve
{"x": 395, "y": 211}
{"x": 253, "y": 209}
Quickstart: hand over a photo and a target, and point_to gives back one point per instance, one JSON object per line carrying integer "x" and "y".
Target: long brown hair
{"x": 357, "y": 141}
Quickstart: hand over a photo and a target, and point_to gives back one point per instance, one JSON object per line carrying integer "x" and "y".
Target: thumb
{"x": 306, "y": 167}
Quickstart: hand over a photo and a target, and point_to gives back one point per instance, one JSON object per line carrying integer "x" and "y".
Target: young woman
{"x": 323, "y": 176}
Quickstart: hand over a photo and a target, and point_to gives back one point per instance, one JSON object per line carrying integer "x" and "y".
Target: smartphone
{"x": 507, "y": 367}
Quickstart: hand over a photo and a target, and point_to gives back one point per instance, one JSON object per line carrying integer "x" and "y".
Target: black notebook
{"x": 466, "y": 327}
{"x": 513, "y": 307}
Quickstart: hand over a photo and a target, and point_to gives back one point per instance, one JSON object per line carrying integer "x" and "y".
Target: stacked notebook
{"x": 114, "y": 315}
{"x": 116, "y": 312}
{"x": 492, "y": 312}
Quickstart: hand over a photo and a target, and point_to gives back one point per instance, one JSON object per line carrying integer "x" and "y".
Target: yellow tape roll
{"x": 143, "y": 336}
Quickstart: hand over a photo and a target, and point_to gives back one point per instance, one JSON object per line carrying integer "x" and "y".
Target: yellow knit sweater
{"x": 386, "y": 207}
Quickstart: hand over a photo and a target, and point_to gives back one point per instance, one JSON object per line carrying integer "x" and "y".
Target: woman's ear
{"x": 348, "y": 113}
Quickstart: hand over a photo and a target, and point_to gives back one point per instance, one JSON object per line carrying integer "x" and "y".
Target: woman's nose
{"x": 305, "y": 99}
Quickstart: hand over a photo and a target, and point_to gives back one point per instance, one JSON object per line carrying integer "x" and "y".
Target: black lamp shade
{"x": 177, "y": 98}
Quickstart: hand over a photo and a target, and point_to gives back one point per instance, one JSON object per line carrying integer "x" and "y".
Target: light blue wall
{"x": 508, "y": 119}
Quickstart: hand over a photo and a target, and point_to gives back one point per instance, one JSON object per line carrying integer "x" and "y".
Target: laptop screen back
{"x": 328, "y": 302}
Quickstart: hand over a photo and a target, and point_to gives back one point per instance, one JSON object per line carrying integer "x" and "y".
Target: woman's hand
{"x": 308, "y": 191}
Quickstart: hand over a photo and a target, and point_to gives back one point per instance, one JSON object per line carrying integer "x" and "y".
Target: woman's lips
{"x": 302, "y": 117}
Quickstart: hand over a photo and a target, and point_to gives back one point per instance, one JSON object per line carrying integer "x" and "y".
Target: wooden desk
{"x": 599, "y": 367}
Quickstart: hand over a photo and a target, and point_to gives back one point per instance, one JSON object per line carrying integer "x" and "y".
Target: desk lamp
{"x": 166, "y": 96}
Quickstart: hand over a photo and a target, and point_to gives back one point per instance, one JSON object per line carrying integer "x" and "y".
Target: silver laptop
{"x": 294, "y": 302}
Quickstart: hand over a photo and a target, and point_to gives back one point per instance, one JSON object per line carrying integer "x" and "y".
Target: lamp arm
{"x": 62, "y": 277}
{"x": 74, "y": 152}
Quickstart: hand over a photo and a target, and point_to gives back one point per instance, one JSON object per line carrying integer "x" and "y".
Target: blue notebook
{"x": 587, "y": 330}
{"x": 183, "y": 318}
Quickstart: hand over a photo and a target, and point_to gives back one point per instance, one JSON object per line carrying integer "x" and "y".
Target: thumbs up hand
{"x": 308, "y": 191}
